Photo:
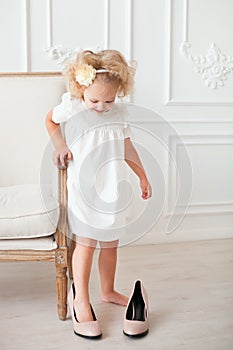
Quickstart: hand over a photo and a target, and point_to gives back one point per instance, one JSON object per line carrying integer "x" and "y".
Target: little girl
{"x": 97, "y": 135}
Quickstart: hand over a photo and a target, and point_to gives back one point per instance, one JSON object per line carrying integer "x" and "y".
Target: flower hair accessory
{"x": 85, "y": 75}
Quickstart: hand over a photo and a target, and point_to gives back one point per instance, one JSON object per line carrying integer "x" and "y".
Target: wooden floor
{"x": 190, "y": 288}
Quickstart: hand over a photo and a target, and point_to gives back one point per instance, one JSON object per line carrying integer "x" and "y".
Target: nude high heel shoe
{"x": 89, "y": 329}
{"x": 136, "y": 323}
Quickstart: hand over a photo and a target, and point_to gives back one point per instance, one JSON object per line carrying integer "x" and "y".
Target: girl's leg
{"x": 107, "y": 269}
{"x": 81, "y": 264}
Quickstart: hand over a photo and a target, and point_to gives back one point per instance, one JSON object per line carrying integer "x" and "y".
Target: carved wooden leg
{"x": 61, "y": 282}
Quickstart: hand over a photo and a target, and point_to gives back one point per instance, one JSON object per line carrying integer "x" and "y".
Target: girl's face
{"x": 100, "y": 96}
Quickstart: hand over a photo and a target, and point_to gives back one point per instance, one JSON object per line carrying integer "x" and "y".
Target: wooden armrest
{"x": 62, "y": 198}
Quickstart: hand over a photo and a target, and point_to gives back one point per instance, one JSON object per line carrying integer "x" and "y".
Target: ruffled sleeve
{"x": 66, "y": 109}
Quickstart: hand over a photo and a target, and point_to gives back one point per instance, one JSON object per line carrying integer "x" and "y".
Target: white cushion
{"x": 25, "y": 213}
{"x": 42, "y": 243}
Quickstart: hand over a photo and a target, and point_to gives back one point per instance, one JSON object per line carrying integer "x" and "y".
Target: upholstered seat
{"x": 23, "y": 213}
{"x": 32, "y": 216}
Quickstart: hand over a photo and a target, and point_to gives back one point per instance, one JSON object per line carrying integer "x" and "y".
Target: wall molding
{"x": 168, "y": 92}
{"x": 27, "y": 35}
{"x": 30, "y": 74}
{"x": 107, "y": 24}
{"x": 49, "y": 22}
{"x": 184, "y": 121}
{"x": 214, "y": 66}
{"x": 156, "y": 236}
{"x": 197, "y": 208}
{"x": 129, "y": 29}
{"x": 129, "y": 37}
{"x": 169, "y": 100}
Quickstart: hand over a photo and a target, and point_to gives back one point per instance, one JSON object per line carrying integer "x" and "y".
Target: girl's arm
{"x": 133, "y": 160}
{"x": 62, "y": 153}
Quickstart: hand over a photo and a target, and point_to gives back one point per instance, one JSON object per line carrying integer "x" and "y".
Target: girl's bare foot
{"x": 115, "y": 298}
{"x": 83, "y": 312}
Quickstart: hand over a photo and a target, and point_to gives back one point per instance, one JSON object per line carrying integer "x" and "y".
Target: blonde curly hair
{"x": 118, "y": 71}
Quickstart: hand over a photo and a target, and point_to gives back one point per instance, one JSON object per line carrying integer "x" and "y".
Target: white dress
{"x": 97, "y": 176}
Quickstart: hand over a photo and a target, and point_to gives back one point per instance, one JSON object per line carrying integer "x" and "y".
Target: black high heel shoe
{"x": 136, "y": 323}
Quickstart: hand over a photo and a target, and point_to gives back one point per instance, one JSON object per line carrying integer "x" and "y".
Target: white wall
{"x": 191, "y": 87}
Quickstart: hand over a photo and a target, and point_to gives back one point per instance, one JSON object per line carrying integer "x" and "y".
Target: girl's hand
{"x": 146, "y": 188}
{"x": 61, "y": 157}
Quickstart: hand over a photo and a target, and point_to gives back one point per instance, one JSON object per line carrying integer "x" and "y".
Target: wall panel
{"x": 13, "y": 35}
{"x": 185, "y": 74}
{"x": 209, "y": 68}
